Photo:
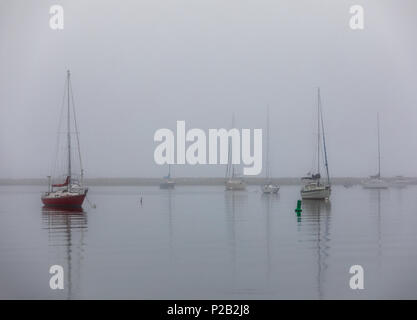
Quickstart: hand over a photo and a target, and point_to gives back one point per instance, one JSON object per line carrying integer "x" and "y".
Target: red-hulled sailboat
{"x": 71, "y": 193}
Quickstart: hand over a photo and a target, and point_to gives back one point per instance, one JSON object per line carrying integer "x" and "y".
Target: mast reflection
{"x": 268, "y": 200}
{"x": 317, "y": 215}
{"x": 375, "y": 196}
{"x": 66, "y": 231}
{"x": 234, "y": 201}
{"x": 170, "y": 224}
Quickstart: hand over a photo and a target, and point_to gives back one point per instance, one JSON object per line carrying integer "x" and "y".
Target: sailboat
{"x": 268, "y": 187}
{"x": 168, "y": 182}
{"x": 399, "y": 182}
{"x": 375, "y": 182}
{"x": 233, "y": 182}
{"x": 71, "y": 193}
{"x": 314, "y": 188}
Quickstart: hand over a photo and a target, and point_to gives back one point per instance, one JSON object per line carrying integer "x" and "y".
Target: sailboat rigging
{"x": 375, "y": 182}
{"x": 168, "y": 182}
{"x": 314, "y": 188}
{"x": 268, "y": 187}
{"x": 71, "y": 193}
{"x": 233, "y": 182}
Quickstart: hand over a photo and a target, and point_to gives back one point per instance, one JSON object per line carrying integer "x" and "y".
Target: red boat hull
{"x": 65, "y": 202}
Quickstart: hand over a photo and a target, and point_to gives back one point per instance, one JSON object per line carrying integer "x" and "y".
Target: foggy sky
{"x": 138, "y": 66}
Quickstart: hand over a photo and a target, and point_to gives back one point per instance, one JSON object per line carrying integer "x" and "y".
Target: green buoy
{"x": 298, "y": 210}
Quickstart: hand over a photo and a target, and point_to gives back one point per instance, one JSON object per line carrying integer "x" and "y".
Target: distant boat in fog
{"x": 314, "y": 188}
{"x": 268, "y": 187}
{"x": 168, "y": 182}
{"x": 233, "y": 181}
{"x": 399, "y": 182}
{"x": 375, "y": 182}
{"x": 70, "y": 193}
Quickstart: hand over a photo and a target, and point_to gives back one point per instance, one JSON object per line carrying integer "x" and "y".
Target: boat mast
{"x": 230, "y": 170}
{"x": 324, "y": 145}
{"x": 77, "y": 136}
{"x": 379, "y": 148}
{"x": 267, "y": 146}
{"x": 228, "y": 161}
{"x": 230, "y": 152}
{"x": 318, "y": 132}
{"x": 68, "y": 131}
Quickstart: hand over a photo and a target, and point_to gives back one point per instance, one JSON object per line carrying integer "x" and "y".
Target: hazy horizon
{"x": 138, "y": 66}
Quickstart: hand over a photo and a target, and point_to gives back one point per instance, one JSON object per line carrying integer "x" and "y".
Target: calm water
{"x": 202, "y": 242}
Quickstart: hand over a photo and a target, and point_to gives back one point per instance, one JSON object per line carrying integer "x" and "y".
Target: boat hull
{"x": 317, "y": 194}
{"x": 375, "y": 184}
{"x": 69, "y": 201}
{"x": 374, "y": 187}
{"x": 167, "y": 185}
{"x": 270, "y": 189}
{"x": 237, "y": 185}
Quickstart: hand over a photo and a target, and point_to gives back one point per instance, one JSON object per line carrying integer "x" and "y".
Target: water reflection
{"x": 170, "y": 223}
{"x": 66, "y": 233}
{"x": 267, "y": 201}
{"x": 251, "y": 246}
{"x": 234, "y": 202}
{"x": 375, "y": 201}
{"x": 316, "y": 216}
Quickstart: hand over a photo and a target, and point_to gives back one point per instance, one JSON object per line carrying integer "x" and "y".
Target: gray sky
{"x": 138, "y": 66}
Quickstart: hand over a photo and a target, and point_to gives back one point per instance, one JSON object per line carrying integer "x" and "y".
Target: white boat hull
{"x": 235, "y": 185}
{"x": 317, "y": 193}
{"x": 375, "y": 184}
{"x": 270, "y": 188}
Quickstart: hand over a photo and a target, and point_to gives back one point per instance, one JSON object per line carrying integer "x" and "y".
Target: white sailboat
{"x": 399, "y": 182}
{"x": 314, "y": 188}
{"x": 375, "y": 182}
{"x": 168, "y": 182}
{"x": 268, "y": 187}
{"x": 233, "y": 181}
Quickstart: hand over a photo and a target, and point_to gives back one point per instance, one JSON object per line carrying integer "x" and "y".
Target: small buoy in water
{"x": 298, "y": 210}
{"x": 141, "y": 201}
